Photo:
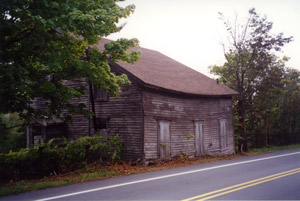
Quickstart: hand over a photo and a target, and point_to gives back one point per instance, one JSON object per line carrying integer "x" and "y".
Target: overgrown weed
{"x": 96, "y": 171}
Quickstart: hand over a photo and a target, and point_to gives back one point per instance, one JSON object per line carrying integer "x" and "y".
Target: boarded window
{"x": 38, "y": 131}
{"x": 199, "y": 138}
{"x": 223, "y": 136}
{"x": 102, "y": 125}
{"x": 164, "y": 144}
{"x": 100, "y": 94}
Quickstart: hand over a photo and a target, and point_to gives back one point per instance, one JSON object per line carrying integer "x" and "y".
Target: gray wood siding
{"x": 182, "y": 112}
{"x": 135, "y": 117}
{"x": 125, "y": 119}
{"x": 124, "y": 113}
{"x": 80, "y": 124}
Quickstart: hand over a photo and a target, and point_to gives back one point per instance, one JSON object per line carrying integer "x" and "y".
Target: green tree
{"x": 11, "y": 133}
{"x": 249, "y": 55}
{"x": 289, "y": 108}
{"x": 263, "y": 114}
{"x": 44, "y": 44}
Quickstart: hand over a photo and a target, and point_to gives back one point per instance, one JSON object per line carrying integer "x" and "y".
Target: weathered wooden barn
{"x": 168, "y": 110}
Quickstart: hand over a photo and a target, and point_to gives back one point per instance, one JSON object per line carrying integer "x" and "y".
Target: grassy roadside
{"x": 96, "y": 172}
{"x": 271, "y": 149}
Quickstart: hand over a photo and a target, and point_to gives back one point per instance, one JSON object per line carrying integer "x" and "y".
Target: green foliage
{"x": 253, "y": 70}
{"x": 58, "y": 156}
{"x": 12, "y": 135}
{"x": 190, "y": 136}
{"x": 257, "y": 151}
{"x": 43, "y": 44}
{"x": 18, "y": 164}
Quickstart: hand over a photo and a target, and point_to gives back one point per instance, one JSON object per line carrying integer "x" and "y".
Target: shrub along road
{"x": 271, "y": 176}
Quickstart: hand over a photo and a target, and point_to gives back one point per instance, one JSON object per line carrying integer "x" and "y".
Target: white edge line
{"x": 163, "y": 177}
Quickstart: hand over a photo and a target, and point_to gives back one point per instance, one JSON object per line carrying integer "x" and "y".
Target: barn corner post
{"x": 92, "y": 101}
{"x": 29, "y": 136}
{"x": 143, "y": 124}
{"x": 241, "y": 129}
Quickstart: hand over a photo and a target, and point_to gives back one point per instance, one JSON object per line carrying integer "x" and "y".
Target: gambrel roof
{"x": 160, "y": 71}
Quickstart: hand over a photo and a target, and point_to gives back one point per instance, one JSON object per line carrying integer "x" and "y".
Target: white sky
{"x": 191, "y": 32}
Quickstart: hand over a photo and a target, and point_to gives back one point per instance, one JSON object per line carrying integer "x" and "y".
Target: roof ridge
{"x": 157, "y": 69}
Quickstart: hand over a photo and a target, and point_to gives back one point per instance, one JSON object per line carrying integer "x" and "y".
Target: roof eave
{"x": 153, "y": 87}
{"x": 132, "y": 77}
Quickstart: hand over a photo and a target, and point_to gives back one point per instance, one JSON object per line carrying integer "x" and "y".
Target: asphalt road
{"x": 272, "y": 176}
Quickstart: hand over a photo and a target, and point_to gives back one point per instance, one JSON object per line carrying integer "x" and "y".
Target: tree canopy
{"x": 44, "y": 44}
{"x": 253, "y": 69}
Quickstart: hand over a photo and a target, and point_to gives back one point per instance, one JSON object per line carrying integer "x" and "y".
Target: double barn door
{"x": 164, "y": 139}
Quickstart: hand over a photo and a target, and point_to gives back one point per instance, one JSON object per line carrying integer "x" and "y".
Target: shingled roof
{"x": 157, "y": 70}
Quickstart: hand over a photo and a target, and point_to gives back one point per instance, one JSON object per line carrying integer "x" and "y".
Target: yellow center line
{"x": 237, "y": 189}
{"x": 242, "y": 185}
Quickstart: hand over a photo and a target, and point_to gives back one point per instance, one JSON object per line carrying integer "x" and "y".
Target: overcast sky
{"x": 191, "y": 32}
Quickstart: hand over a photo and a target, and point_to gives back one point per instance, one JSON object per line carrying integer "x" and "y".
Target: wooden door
{"x": 199, "y": 138}
{"x": 164, "y": 139}
{"x": 223, "y": 137}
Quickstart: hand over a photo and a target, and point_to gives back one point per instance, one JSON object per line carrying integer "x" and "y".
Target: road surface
{"x": 271, "y": 176}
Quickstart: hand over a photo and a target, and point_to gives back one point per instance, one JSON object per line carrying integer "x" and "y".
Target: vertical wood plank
{"x": 223, "y": 141}
{"x": 29, "y": 140}
{"x": 199, "y": 138}
{"x": 164, "y": 139}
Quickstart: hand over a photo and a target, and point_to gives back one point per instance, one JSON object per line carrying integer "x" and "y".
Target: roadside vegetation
{"x": 266, "y": 111}
{"x": 58, "y": 157}
{"x": 12, "y": 135}
{"x": 257, "y": 151}
{"x": 96, "y": 171}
